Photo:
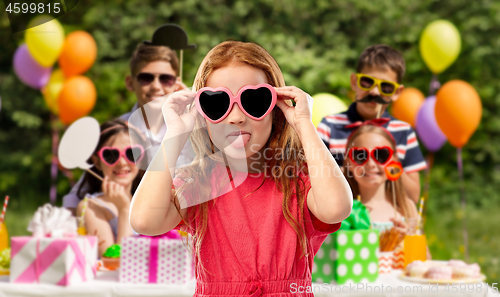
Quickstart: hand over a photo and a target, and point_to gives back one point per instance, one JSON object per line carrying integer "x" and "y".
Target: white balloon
{"x": 78, "y": 143}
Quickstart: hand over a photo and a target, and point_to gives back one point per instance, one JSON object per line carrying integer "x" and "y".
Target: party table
{"x": 106, "y": 285}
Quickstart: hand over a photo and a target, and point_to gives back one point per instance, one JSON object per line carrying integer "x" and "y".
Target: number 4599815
{"x": 33, "y": 8}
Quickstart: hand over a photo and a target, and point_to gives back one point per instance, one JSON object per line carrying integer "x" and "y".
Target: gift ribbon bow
{"x": 359, "y": 219}
{"x": 393, "y": 170}
{"x": 154, "y": 255}
{"x": 51, "y": 221}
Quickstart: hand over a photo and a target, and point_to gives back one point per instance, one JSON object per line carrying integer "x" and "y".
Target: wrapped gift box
{"x": 160, "y": 260}
{"x": 347, "y": 256}
{"x": 60, "y": 261}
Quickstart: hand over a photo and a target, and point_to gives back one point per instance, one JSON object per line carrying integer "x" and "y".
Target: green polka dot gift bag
{"x": 349, "y": 255}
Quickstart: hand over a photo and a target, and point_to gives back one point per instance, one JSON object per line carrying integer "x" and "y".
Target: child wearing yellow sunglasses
{"x": 377, "y": 83}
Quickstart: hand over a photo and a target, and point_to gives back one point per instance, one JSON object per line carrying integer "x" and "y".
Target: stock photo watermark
{"x": 366, "y": 288}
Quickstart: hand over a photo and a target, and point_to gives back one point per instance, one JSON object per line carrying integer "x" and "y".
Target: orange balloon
{"x": 407, "y": 106}
{"x": 77, "y": 98}
{"x": 78, "y": 53}
{"x": 458, "y": 111}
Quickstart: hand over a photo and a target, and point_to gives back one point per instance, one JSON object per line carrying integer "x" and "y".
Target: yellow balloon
{"x": 440, "y": 45}
{"x": 45, "y": 41}
{"x": 326, "y": 104}
{"x": 52, "y": 89}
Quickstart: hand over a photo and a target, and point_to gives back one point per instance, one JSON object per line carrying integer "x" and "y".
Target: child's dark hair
{"x": 382, "y": 56}
{"x": 144, "y": 54}
{"x": 90, "y": 182}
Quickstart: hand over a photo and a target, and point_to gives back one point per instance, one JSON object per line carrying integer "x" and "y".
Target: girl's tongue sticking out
{"x": 239, "y": 139}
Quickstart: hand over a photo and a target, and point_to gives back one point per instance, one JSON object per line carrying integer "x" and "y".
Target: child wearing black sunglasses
{"x": 153, "y": 73}
{"x": 376, "y": 84}
{"x": 106, "y": 215}
{"x": 259, "y": 234}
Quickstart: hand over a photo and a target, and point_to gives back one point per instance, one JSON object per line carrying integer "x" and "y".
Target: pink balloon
{"x": 28, "y": 70}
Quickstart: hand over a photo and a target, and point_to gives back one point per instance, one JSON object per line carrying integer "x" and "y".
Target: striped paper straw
{"x": 5, "y": 202}
{"x": 85, "y": 202}
{"x": 420, "y": 211}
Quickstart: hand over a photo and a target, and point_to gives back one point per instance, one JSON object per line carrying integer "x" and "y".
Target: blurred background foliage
{"x": 316, "y": 44}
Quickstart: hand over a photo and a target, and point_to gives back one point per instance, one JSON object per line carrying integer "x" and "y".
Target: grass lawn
{"x": 443, "y": 231}
{"x": 444, "y": 236}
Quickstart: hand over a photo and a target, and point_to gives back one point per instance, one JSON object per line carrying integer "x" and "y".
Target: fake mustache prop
{"x": 371, "y": 98}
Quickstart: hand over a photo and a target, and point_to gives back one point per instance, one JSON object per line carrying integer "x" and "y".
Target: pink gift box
{"x": 161, "y": 260}
{"x": 59, "y": 261}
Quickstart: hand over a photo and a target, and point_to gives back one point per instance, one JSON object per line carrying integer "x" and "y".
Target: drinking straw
{"x": 85, "y": 202}
{"x": 5, "y": 202}
{"x": 420, "y": 211}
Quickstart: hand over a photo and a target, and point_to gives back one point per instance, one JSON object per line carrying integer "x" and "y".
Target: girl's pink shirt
{"x": 248, "y": 240}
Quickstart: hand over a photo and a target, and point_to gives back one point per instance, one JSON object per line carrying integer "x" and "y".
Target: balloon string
{"x": 462, "y": 193}
{"x": 434, "y": 85}
{"x": 427, "y": 182}
{"x": 53, "y": 169}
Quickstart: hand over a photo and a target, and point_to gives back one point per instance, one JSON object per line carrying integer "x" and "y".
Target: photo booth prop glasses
{"x": 255, "y": 101}
{"x": 367, "y": 82}
{"x": 360, "y": 155}
{"x": 111, "y": 155}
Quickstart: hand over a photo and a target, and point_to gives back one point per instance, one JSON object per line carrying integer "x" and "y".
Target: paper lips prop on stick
{"x": 51, "y": 221}
{"x": 393, "y": 170}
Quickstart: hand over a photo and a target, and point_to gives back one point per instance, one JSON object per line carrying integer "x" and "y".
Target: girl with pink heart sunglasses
{"x": 260, "y": 236}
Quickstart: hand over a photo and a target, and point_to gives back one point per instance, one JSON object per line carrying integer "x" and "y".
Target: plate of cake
{"x": 442, "y": 272}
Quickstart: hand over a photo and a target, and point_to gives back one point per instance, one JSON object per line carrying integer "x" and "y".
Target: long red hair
{"x": 282, "y": 138}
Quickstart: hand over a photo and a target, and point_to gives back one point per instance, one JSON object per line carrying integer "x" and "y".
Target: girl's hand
{"x": 178, "y": 121}
{"x": 400, "y": 225}
{"x": 117, "y": 194}
{"x": 301, "y": 113}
